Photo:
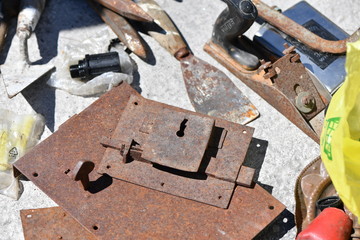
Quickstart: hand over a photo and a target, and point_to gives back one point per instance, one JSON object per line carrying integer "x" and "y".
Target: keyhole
{"x": 181, "y": 133}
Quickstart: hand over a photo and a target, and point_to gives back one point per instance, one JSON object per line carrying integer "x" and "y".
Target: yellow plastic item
{"x": 18, "y": 133}
{"x": 340, "y": 139}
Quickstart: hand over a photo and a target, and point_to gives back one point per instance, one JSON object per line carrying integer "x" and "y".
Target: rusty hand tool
{"x": 126, "y": 8}
{"x": 226, "y": 35}
{"x": 285, "y": 83}
{"x": 121, "y": 27}
{"x": 28, "y": 18}
{"x": 210, "y": 90}
{"x": 300, "y": 33}
{"x": 18, "y": 71}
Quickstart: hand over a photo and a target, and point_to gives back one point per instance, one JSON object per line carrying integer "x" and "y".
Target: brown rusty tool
{"x": 17, "y": 61}
{"x": 312, "y": 184}
{"x": 285, "y": 83}
{"x": 123, "y": 29}
{"x": 126, "y": 8}
{"x": 210, "y": 90}
{"x": 300, "y": 33}
{"x": 116, "y": 209}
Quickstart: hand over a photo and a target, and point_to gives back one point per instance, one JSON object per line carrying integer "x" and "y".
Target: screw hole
{"x": 162, "y": 184}
{"x": 244, "y": 131}
{"x": 271, "y": 207}
{"x": 258, "y": 145}
{"x": 285, "y": 220}
{"x": 67, "y": 171}
{"x": 95, "y": 227}
{"x": 136, "y": 103}
{"x": 108, "y": 166}
{"x": 35, "y": 174}
{"x": 29, "y": 216}
{"x": 219, "y": 197}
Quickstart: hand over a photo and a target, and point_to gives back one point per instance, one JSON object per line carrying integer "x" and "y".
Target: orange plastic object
{"x": 331, "y": 224}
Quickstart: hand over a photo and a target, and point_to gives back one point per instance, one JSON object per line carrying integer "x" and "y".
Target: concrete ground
{"x": 285, "y": 150}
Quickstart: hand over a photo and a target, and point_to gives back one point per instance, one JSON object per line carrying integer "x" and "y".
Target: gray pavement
{"x": 285, "y": 150}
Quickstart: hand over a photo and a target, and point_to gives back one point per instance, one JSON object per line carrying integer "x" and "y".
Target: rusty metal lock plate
{"x": 178, "y": 152}
{"x": 180, "y": 141}
{"x": 114, "y": 209}
{"x": 52, "y": 223}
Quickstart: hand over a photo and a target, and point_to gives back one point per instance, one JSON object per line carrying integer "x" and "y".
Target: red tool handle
{"x": 330, "y": 224}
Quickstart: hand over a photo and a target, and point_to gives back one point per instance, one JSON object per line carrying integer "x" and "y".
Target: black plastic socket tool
{"x": 96, "y": 64}
{"x": 236, "y": 19}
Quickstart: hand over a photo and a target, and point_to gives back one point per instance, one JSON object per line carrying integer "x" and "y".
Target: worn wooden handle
{"x": 171, "y": 40}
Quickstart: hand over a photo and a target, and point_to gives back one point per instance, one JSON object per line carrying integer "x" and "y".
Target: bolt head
{"x": 305, "y": 102}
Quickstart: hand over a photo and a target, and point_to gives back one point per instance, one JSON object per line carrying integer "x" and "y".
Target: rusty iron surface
{"x": 292, "y": 79}
{"x": 52, "y": 223}
{"x": 123, "y": 30}
{"x": 266, "y": 80}
{"x": 177, "y": 140}
{"x": 195, "y": 156}
{"x": 115, "y": 209}
{"x": 300, "y": 33}
{"x": 210, "y": 90}
{"x": 126, "y": 8}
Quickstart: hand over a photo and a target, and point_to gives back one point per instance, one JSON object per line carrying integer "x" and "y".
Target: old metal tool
{"x": 122, "y": 28}
{"x": 312, "y": 184}
{"x": 242, "y": 15}
{"x": 284, "y": 83}
{"x": 328, "y": 68}
{"x": 126, "y": 8}
{"x": 18, "y": 71}
{"x": 210, "y": 90}
{"x": 149, "y": 147}
{"x": 28, "y": 18}
{"x": 295, "y": 30}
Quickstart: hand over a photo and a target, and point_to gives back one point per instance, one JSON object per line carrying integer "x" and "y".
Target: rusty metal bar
{"x": 297, "y": 31}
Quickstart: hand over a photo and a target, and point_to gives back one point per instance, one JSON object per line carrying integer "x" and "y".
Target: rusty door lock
{"x": 178, "y": 152}
{"x": 134, "y": 139}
